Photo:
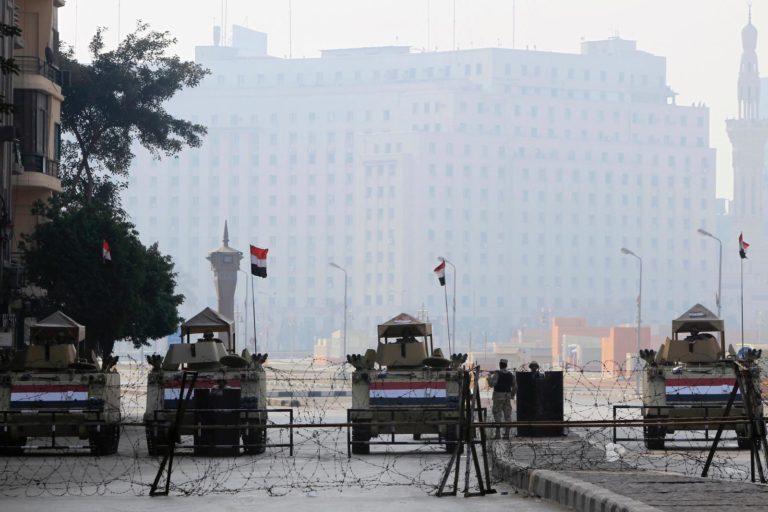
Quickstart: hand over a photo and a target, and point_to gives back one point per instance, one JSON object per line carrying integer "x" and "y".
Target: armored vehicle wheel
{"x": 654, "y": 438}
{"x": 11, "y": 448}
{"x": 254, "y": 438}
{"x": 157, "y": 440}
{"x": 361, "y": 434}
{"x": 105, "y": 440}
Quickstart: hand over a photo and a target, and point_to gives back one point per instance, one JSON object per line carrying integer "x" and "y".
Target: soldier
{"x": 504, "y": 388}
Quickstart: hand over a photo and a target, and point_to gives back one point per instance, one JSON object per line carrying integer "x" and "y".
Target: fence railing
{"x": 31, "y": 65}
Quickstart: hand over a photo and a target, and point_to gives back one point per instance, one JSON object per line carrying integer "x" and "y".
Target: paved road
{"x": 348, "y": 500}
{"x": 576, "y": 474}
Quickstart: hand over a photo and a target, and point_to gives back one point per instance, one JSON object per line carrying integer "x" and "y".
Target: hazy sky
{"x": 700, "y": 38}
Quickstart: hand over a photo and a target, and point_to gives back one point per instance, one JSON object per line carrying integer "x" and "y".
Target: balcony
{"x": 39, "y": 178}
{"x": 34, "y": 65}
{"x": 39, "y": 163}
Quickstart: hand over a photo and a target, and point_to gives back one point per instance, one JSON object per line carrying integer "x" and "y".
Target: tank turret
{"x": 692, "y": 375}
{"x": 231, "y": 386}
{"x": 56, "y": 389}
{"x": 404, "y": 386}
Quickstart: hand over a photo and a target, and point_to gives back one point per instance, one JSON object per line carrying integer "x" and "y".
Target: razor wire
{"x": 320, "y": 394}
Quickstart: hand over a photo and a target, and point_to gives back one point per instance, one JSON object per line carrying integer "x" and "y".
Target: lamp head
{"x": 624, "y": 250}
{"x": 441, "y": 258}
{"x": 704, "y": 232}
{"x": 336, "y": 266}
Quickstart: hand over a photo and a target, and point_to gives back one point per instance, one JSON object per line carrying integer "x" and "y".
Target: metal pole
{"x": 718, "y": 297}
{"x": 344, "y": 341}
{"x": 627, "y": 252}
{"x": 514, "y": 15}
{"x": 639, "y": 322}
{"x": 742, "y": 303}
{"x": 719, "y": 279}
{"x": 344, "y": 354}
{"x": 454, "y": 300}
{"x": 454, "y": 25}
{"x": 245, "y": 309}
{"x": 253, "y": 307}
{"x": 429, "y": 17}
{"x": 447, "y": 320}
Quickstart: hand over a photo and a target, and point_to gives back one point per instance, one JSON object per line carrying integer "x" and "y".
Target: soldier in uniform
{"x": 504, "y": 388}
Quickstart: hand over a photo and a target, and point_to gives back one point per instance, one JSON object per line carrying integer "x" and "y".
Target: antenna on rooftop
{"x": 514, "y": 19}
{"x": 454, "y": 25}
{"x": 429, "y": 19}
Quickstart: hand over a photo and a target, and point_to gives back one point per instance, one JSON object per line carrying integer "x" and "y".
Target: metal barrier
{"x": 160, "y": 422}
{"x": 390, "y": 423}
{"x": 91, "y": 419}
{"x": 654, "y": 421}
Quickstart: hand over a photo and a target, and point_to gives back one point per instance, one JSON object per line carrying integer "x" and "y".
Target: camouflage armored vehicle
{"x": 404, "y": 380}
{"x": 691, "y": 376}
{"x": 52, "y": 390}
{"x": 230, "y": 390}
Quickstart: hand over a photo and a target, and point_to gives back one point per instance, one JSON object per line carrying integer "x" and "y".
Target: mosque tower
{"x": 225, "y": 263}
{"x": 748, "y": 134}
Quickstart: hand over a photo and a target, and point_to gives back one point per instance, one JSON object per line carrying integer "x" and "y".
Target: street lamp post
{"x": 627, "y": 252}
{"x": 454, "y": 300}
{"x": 718, "y": 299}
{"x": 344, "y": 348}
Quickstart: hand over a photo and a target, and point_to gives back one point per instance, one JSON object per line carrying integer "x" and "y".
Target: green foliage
{"x": 112, "y": 102}
{"x": 132, "y": 298}
{"x": 118, "y": 98}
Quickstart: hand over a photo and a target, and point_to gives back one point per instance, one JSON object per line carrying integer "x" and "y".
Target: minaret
{"x": 225, "y": 262}
{"x": 748, "y": 135}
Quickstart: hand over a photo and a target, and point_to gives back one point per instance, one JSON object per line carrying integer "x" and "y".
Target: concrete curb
{"x": 555, "y": 486}
{"x": 579, "y": 495}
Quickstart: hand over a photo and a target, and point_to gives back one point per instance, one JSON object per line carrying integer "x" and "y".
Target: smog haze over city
{"x": 526, "y": 141}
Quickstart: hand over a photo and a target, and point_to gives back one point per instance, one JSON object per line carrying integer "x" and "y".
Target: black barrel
{"x": 540, "y": 398}
{"x": 217, "y": 407}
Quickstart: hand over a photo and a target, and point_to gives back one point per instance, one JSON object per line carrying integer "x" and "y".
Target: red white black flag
{"x": 440, "y": 272}
{"x": 106, "y": 254}
{"x": 259, "y": 261}
{"x": 743, "y": 246}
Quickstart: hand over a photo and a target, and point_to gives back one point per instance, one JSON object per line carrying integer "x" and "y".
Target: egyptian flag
{"x": 106, "y": 254}
{"x": 259, "y": 261}
{"x": 743, "y": 246}
{"x": 440, "y": 272}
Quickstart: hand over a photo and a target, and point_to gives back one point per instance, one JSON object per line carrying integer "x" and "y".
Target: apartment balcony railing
{"x": 39, "y": 163}
{"x": 35, "y": 65}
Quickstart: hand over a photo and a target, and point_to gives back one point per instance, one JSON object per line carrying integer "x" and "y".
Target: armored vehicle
{"x": 692, "y": 376}
{"x": 230, "y": 390}
{"x": 52, "y": 390}
{"x": 403, "y": 385}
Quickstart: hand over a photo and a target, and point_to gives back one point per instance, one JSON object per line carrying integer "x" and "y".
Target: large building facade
{"x": 29, "y": 144}
{"x": 528, "y": 170}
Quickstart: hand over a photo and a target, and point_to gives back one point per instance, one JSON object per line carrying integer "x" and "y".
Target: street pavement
{"x": 577, "y": 475}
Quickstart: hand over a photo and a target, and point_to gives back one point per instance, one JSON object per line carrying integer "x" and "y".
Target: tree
{"x": 132, "y": 297}
{"x": 112, "y": 102}
{"x": 118, "y": 99}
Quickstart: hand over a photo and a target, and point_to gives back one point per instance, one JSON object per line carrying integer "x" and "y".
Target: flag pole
{"x": 253, "y": 308}
{"x": 742, "y": 302}
{"x": 245, "y": 311}
{"x": 447, "y": 319}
